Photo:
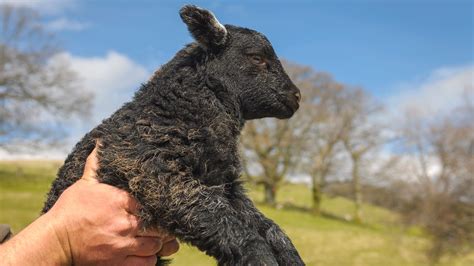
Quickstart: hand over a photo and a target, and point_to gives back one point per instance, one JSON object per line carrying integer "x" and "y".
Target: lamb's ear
{"x": 203, "y": 26}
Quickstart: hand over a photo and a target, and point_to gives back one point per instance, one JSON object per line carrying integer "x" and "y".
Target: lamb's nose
{"x": 298, "y": 95}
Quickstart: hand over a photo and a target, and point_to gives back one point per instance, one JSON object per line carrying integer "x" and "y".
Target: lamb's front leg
{"x": 286, "y": 253}
{"x": 201, "y": 215}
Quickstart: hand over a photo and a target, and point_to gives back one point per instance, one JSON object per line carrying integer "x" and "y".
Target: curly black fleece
{"x": 174, "y": 147}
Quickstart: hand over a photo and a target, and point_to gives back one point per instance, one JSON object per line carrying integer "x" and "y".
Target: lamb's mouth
{"x": 289, "y": 105}
{"x": 294, "y": 105}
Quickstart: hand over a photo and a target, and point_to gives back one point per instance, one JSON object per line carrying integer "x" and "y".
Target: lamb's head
{"x": 245, "y": 62}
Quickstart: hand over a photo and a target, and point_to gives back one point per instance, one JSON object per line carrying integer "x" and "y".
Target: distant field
{"x": 327, "y": 240}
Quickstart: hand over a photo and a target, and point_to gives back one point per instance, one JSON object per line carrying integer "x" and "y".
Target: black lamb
{"x": 174, "y": 147}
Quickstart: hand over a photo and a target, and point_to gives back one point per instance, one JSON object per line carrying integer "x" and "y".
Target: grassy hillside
{"x": 326, "y": 240}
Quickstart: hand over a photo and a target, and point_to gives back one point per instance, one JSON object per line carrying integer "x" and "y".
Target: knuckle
{"x": 134, "y": 221}
{"x": 123, "y": 225}
{"x": 123, "y": 195}
{"x": 124, "y": 198}
{"x": 120, "y": 196}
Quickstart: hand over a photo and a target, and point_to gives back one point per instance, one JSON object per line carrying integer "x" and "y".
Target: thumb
{"x": 92, "y": 164}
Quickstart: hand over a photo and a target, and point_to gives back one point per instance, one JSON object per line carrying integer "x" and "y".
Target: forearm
{"x": 37, "y": 244}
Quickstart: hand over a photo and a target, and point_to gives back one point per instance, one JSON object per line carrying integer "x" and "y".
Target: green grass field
{"x": 326, "y": 240}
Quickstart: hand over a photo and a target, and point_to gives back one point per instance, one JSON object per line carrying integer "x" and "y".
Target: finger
{"x": 137, "y": 260}
{"x": 169, "y": 248}
{"x": 92, "y": 164}
{"x": 151, "y": 232}
{"x": 144, "y": 246}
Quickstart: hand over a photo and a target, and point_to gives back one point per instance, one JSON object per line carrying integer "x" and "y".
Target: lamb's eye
{"x": 257, "y": 60}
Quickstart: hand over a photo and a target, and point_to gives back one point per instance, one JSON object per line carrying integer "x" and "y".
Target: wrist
{"x": 41, "y": 243}
{"x": 57, "y": 228}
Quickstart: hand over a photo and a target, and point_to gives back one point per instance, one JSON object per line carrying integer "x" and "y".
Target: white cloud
{"x": 432, "y": 98}
{"x": 52, "y": 8}
{"x": 113, "y": 78}
{"x": 62, "y": 24}
{"x": 443, "y": 90}
{"x": 57, "y": 154}
{"x": 44, "y": 6}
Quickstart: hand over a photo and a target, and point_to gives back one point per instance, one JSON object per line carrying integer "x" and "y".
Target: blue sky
{"x": 404, "y": 52}
{"x": 374, "y": 44}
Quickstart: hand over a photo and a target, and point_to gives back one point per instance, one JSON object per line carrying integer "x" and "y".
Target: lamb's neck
{"x": 229, "y": 100}
{"x": 190, "y": 95}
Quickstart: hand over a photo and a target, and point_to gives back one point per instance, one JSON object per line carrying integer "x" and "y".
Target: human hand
{"x": 96, "y": 224}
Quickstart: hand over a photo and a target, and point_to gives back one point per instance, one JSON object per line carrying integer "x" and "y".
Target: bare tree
{"x": 442, "y": 198}
{"x": 270, "y": 145}
{"x": 322, "y": 115}
{"x": 360, "y": 135}
{"x": 36, "y": 87}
